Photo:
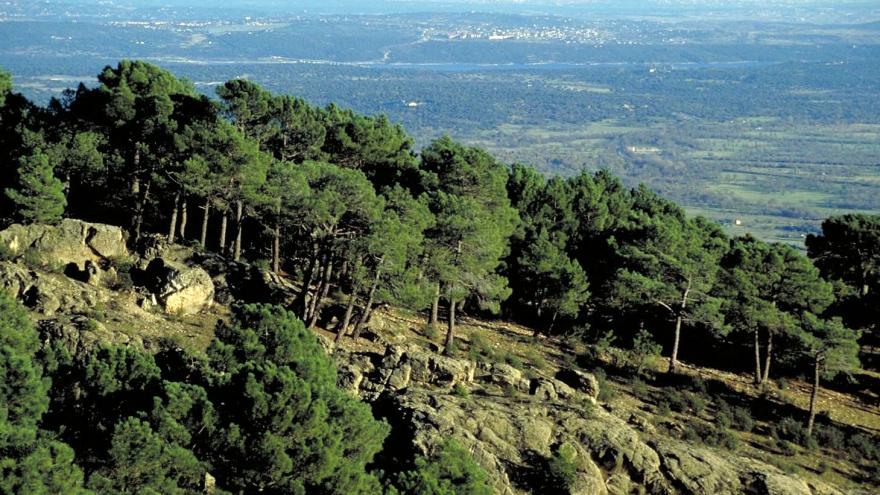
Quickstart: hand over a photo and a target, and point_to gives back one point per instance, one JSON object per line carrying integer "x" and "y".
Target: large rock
{"x": 581, "y": 381}
{"x": 505, "y": 375}
{"x": 71, "y": 241}
{"x": 510, "y": 435}
{"x": 180, "y": 289}
{"x": 698, "y": 470}
{"x": 49, "y": 293}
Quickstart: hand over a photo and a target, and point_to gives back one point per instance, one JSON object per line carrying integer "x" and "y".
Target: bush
{"x": 699, "y": 432}
{"x": 451, "y": 470}
{"x": 663, "y": 408}
{"x": 644, "y": 347}
{"x": 514, "y": 360}
{"x": 793, "y": 431}
{"x": 676, "y": 400}
{"x": 460, "y": 390}
{"x": 742, "y": 419}
{"x": 864, "y": 446}
{"x": 639, "y": 388}
{"x": 430, "y": 331}
{"x": 480, "y": 347}
{"x": 830, "y": 437}
{"x": 98, "y": 311}
{"x": 606, "y": 391}
{"x": 91, "y": 325}
{"x": 696, "y": 403}
{"x": 562, "y": 469}
{"x": 535, "y": 358}
{"x": 698, "y": 385}
{"x": 6, "y": 254}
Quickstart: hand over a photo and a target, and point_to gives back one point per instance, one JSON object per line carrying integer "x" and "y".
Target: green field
{"x": 779, "y": 179}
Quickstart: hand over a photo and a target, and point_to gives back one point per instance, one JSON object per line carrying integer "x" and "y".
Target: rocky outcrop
{"x": 71, "y": 241}
{"x": 581, "y": 381}
{"x": 179, "y": 289}
{"x": 512, "y": 426}
{"x": 49, "y": 293}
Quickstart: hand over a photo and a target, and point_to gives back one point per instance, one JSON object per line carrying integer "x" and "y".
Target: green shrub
{"x": 32, "y": 258}
{"x": 91, "y": 325}
{"x": 690, "y": 434}
{"x": 460, "y": 390}
{"x": 263, "y": 265}
{"x": 727, "y": 439}
{"x": 536, "y": 359}
{"x": 510, "y": 390}
{"x": 644, "y": 347}
{"x": 514, "y": 360}
{"x": 562, "y": 469}
{"x": 639, "y": 388}
{"x": 830, "y": 437}
{"x": 676, "y": 400}
{"x": 864, "y": 446}
{"x": 606, "y": 391}
{"x": 663, "y": 408}
{"x": 723, "y": 419}
{"x": 430, "y": 331}
{"x": 696, "y": 402}
{"x": 98, "y": 311}
{"x": 451, "y": 470}
{"x": 6, "y": 254}
{"x": 742, "y": 419}
{"x": 698, "y": 385}
{"x": 709, "y": 434}
{"x": 792, "y": 430}
{"x": 480, "y": 349}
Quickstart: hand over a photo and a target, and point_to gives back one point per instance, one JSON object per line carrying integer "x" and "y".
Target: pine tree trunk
{"x": 347, "y": 318}
{"x": 313, "y": 300}
{"x": 814, "y": 396}
{"x": 183, "y": 218}
{"x": 549, "y": 331}
{"x": 768, "y": 358}
{"x": 368, "y": 307}
{"x": 135, "y": 187}
{"x": 324, "y": 290}
{"x": 239, "y": 214}
{"x": 172, "y": 226}
{"x": 673, "y": 359}
{"x": 434, "y": 317}
{"x": 223, "y": 223}
{"x": 302, "y": 300}
{"x": 450, "y": 329}
{"x": 204, "y": 238}
{"x": 276, "y": 248}
{"x": 66, "y": 188}
{"x": 757, "y": 358}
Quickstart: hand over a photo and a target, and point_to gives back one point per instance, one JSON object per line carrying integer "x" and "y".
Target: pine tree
{"x": 766, "y": 289}
{"x": 450, "y": 471}
{"x": 5, "y": 86}
{"x": 832, "y": 348}
{"x": 30, "y": 461}
{"x": 39, "y": 196}
{"x": 467, "y": 191}
{"x": 283, "y": 425}
{"x": 668, "y": 263}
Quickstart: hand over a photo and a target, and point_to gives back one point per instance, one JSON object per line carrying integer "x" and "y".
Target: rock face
{"x": 179, "y": 289}
{"x": 71, "y": 241}
{"x": 581, "y": 381}
{"x": 49, "y": 293}
{"x": 512, "y": 425}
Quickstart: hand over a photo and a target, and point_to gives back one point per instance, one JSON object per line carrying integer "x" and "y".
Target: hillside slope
{"x": 513, "y": 404}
